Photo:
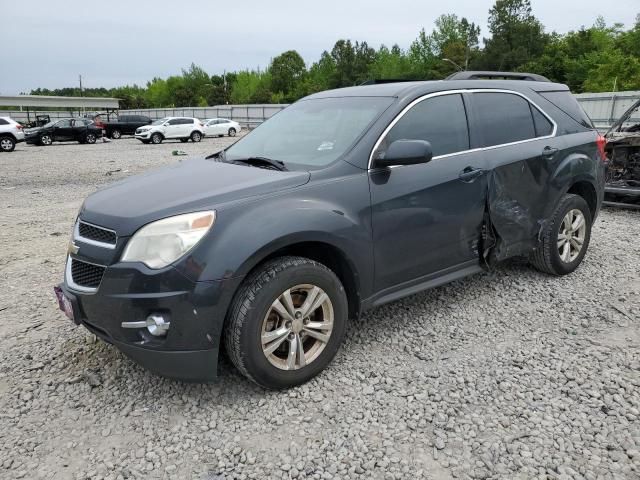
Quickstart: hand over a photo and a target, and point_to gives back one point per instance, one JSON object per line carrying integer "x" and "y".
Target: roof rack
{"x": 481, "y": 75}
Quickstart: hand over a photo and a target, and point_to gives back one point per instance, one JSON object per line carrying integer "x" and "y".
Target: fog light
{"x": 155, "y": 323}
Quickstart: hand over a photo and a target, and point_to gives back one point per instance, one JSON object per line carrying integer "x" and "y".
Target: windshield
{"x": 160, "y": 122}
{"x": 311, "y": 133}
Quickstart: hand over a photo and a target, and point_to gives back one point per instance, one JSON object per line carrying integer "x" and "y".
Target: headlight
{"x": 163, "y": 242}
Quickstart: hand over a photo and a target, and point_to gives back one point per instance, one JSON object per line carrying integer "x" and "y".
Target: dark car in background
{"x": 125, "y": 125}
{"x": 81, "y": 130}
{"x": 344, "y": 201}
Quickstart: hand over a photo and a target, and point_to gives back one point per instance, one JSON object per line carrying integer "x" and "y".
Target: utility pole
{"x": 80, "y": 77}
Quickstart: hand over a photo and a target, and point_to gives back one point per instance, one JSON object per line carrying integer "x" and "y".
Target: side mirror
{"x": 405, "y": 152}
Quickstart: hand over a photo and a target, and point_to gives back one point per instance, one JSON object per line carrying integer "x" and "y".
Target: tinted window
{"x": 63, "y": 124}
{"x": 175, "y": 121}
{"x": 186, "y": 121}
{"x": 3, "y": 122}
{"x": 542, "y": 124}
{"x": 569, "y": 105}
{"x": 125, "y": 118}
{"x": 442, "y": 121}
{"x": 503, "y": 118}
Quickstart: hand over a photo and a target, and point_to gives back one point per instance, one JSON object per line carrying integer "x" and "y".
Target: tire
{"x": 550, "y": 256}
{"x": 7, "y": 144}
{"x": 90, "y": 138}
{"x": 116, "y": 134}
{"x": 45, "y": 139}
{"x": 156, "y": 138}
{"x": 232, "y": 132}
{"x": 196, "y": 136}
{"x": 184, "y": 140}
{"x": 252, "y": 315}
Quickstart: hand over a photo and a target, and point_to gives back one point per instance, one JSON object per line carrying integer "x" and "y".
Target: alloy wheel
{"x": 571, "y": 235}
{"x": 297, "y": 327}
{"x": 6, "y": 144}
{"x": 46, "y": 140}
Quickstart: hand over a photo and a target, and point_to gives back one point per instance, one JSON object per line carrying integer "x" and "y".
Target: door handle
{"x": 469, "y": 174}
{"x": 549, "y": 152}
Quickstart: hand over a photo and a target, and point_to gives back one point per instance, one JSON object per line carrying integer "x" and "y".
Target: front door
{"x": 63, "y": 131}
{"x": 427, "y": 218}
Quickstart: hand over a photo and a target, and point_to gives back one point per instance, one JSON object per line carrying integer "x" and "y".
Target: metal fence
{"x": 246, "y": 115}
{"x": 603, "y": 108}
{"x": 606, "y": 108}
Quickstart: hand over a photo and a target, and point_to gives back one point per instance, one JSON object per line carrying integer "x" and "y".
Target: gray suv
{"x": 344, "y": 201}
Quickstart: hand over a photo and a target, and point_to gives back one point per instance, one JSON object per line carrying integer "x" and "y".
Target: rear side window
{"x": 3, "y": 122}
{"x": 186, "y": 121}
{"x": 175, "y": 121}
{"x": 569, "y": 105}
{"x": 541, "y": 123}
{"x": 441, "y": 120}
{"x": 503, "y": 118}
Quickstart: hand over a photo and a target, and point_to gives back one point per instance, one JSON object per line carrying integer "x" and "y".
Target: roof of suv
{"x": 401, "y": 89}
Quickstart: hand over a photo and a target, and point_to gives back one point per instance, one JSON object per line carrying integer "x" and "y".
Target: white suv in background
{"x": 11, "y": 132}
{"x": 220, "y": 127}
{"x": 182, "y": 128}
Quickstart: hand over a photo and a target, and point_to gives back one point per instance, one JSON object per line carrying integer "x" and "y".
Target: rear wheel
{"x": 45, "y": 139}
{"x": 196, "y": 137}
{"x": 7, "y": 144}
{"x": 156, "y": 138}
{"x": 286, "y": 322}
{"x": 90, "y": 138}
{"x": 565, "y": 237}
{"x": 232, "y": 132}
{"x": 116, "y": 134}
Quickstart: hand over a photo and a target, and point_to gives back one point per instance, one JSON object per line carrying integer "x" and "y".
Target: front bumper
{"x": 131, "y": 292}
{"x": 143, "y": 135}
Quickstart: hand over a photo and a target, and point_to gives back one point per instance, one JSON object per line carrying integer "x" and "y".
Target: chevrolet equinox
{"x": 343, "y": 201}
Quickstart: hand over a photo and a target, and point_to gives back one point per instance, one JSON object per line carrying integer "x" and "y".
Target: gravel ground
{"x": 512, "y": 374}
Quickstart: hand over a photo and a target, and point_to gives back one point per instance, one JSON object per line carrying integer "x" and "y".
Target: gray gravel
{"x": 511, "y": 375}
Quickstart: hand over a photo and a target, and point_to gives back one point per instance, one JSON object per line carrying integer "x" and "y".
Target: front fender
{"x": 247, "y": 233}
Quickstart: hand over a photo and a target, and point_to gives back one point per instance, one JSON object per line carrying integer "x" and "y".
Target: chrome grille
{"x": 96, "y": 234}
{"x": 85, "y": 274}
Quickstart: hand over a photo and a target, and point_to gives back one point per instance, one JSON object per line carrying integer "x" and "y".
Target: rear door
{"x": 522, "y": 152}
{"x": 427, "y": 218}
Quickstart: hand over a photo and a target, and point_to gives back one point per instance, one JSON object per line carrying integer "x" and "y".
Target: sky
{"x": 125, "y": 42}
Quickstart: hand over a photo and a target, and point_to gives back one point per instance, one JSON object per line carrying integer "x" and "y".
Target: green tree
{"x": 517, "y": 36}
{"x": 287, "y": 71}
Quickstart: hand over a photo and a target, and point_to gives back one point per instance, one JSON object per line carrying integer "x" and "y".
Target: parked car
{"x": 220, "y": 127}
{"x": 169, "y": 128}
{"x": 11, "y": 132}
{"x": 623, "y": 150}
{"x": 344, "y": 201}
{"x": 81, "y": 130}
{"x": 125, "y": 125}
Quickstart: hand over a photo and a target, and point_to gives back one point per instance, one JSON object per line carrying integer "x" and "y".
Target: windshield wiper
{"x": 221, "y": 155}
{"x": 262, "y": 162}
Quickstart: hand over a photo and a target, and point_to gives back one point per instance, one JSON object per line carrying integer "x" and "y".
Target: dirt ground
{"x": 510, "y": 374}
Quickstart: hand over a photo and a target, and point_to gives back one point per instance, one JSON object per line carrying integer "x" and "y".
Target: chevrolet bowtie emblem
{"x": 73, "y": 248}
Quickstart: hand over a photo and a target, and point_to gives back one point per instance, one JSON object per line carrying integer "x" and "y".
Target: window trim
{"x": 462, "y": 92}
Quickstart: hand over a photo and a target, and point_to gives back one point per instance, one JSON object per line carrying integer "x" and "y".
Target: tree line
{"x": 595, "y": 59}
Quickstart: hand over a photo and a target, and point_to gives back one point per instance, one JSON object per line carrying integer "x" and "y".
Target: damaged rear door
{"x": 522, "y": 152}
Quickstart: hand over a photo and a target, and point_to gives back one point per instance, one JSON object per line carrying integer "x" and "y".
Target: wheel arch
{"x": 586, "y": 190}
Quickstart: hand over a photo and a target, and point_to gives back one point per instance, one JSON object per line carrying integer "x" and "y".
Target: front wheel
{"x": 7, "y": 144}
{"x": 286, "y": 322}
{"x": 116, "y": 134}
{"x": 46, "y": 139}
{"x": 90, "y": 138}
{"x": 156, "y": 138}
{"x": 565, "y": 237}
{"x": 196, "y": 137}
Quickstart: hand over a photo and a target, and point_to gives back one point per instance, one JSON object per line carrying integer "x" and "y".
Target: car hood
{"x": 194, "y": 184}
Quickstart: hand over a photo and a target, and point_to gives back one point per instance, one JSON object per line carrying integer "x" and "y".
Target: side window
{"x": 64, "y": 123}
{"x": 440, "y": 120}
{"x": 503, "y": 118}
{"x": 186, "y": 121}
{"x": 175, "y": 121}
{"x": 3, "y": 122}
{"x": 541, "y": 123}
